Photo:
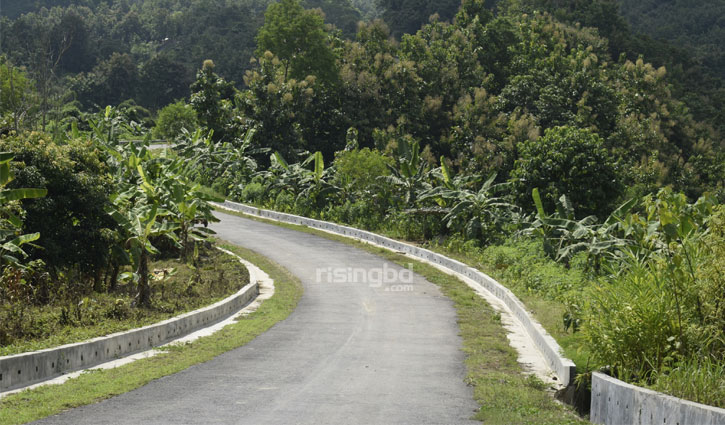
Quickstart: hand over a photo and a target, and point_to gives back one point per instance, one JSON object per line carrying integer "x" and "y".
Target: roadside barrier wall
{"x": 21, "y": 370}
{"x": 615, "y": 402}
{"x": 564, "y": 368}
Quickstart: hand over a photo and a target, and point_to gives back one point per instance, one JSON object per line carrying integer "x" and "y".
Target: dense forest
{"x": 105, "y": 52}
{"x": 563, "y": 143}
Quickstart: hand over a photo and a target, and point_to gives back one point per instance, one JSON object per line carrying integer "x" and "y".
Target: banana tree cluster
{"x": 157, "y": 199}
{"x": 663, "y": 221}
{"x": 410, "y": 172}
{"x": 222, "y": 164}
{"x": 476, "y": 212}
{"x": 308, "y": 181}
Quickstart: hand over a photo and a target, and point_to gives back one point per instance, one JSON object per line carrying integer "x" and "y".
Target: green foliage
{"x": 277, "y": 106}
{"x": 305, "y": 186}
{"x": 524, "y": 263}
{"x": 298, "y": 38}
{"x": 408, "y": 16}
{"x": 16, "y": 95}
{"x": 186, "y": 201}
{"x": 11, "y": 239}
{"x": 699, "y": 380}
{"x": 571, "y": 162}
{"x": 70, "y": 218}
{"x": 409, "y": 173}
{"x": 225, "y": 166}
{"x": 342, "y": 13}
{"x": 631, "y": 323}
{"x": 212, "y": 99}
{"x": 656, "y": 311}
{"x": 172, "y": 119}
{"x": 111, "y": 81}
{"x": 138, "y": 215}
{"x": 476, "y": 214}
{"x": 357, "y": 171}
{"x": 676, "y": 24}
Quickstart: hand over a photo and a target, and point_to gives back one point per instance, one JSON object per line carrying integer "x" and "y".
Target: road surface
{"x": 369, "y": 343}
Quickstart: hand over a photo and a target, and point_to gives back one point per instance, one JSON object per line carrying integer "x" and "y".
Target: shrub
{"x": 71, "y": 218}
{"x": 358, "y": 170}
{"x": 172, "y": 119}
{"x": 524, "y": 262}
{"x": 666, "y": 310}
{"x": 711, "y": 285}
{"x": 631, "y": 323}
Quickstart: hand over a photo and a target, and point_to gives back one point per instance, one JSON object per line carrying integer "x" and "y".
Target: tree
{"x": 341, "y": 13}
{"x": 71, "y": 217}
{"x": 162, "y": 80}
{"x": 410, "y": 172}
{"x": 140, "y": 224}
{"x": 476, "y": 214}
{"x": 567, "y": 161}
{"x": 11, "y": 237}
{"x": 16, "y": 95}
{"x": 212, "y": 98}
{"x": 173, "y": 119}
{"x": 186, "y": 202}
{"x": 298, "y": 38}
{"x": 407, "y": 16}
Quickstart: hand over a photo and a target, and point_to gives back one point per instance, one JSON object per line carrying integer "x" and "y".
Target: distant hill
{"x": 14, "y": 8}
{"x": 695, "y": 25}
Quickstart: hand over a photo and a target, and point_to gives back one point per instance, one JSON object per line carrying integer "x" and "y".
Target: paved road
{"x": 353, "y": 352}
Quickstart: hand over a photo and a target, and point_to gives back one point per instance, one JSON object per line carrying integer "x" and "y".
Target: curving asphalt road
{"x": 353, "y": 352}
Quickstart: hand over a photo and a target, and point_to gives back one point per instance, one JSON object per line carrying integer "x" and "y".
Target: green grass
{"x": 531, "y": 270}
{"x": 84, "y": 316}
{"x": 101, "y": 384}
{"x": 505, "y": 394}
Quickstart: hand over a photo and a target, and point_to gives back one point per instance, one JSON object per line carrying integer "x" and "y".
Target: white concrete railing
{"x": 615, "y": 402}
{"x": 21, "y": 370}
{"x": 564, "y": 368}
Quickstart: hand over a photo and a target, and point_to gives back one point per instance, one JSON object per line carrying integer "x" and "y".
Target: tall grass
{"x": 699, "y": 380}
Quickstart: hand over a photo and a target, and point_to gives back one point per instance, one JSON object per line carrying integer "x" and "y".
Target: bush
{"x": 358, "y": 170}
{"x": 361, "y": 213}
{"x": 567, "y": 161}
{"x": 631, "y": 323}
{"x": 711, "y": 285}
{"x": 524, "y": 262}
{"x": 71, "y": 219}
{"x": 172, "y": 119}
{"x": 666, "y": 312}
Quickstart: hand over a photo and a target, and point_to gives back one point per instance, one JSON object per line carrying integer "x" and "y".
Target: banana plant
{"x": 601, "y": 242}
{"x": 108, "y": 126}
{"x": 564, "y": 236}
{"x": 446, "y": 184}
{"x": 141, "y": 219}
{"x": 475, "y": 213}
{"x": 308, "y": 179}
{"x": 316, "y": 183}
{"x": 11, "y": 239}
{"x": 231, "y": 161}
{"x": 409, "y": 175}
{"x": 187, "y": 203}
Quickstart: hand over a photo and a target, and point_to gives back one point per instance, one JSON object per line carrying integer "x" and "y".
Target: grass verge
{"x": 102, "y": 384}
{"x": 177, "y": 288}
{"x": 505, "y": 394}
{"x": 537, "y": 282}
